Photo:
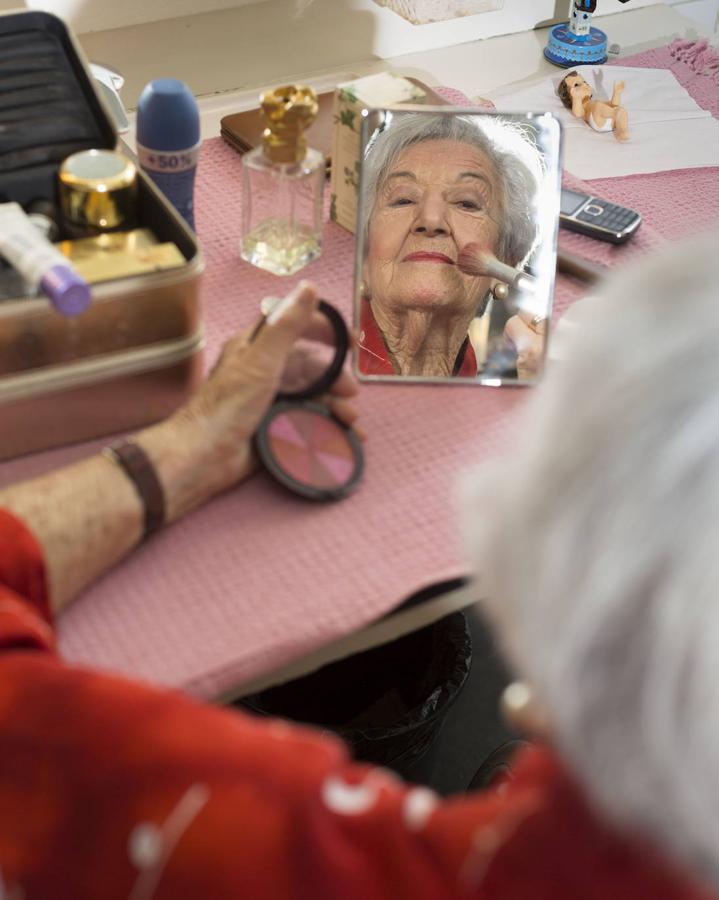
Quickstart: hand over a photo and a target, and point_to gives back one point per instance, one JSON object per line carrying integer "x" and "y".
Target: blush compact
{"x": 302, "y": 444}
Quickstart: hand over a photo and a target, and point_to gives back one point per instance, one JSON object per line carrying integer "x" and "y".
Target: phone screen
{"x": 571, "y": 201}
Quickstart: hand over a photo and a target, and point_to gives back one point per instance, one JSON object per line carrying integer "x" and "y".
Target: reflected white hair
{"x": 597, "y": 540}
{"x": 508, "y": 145}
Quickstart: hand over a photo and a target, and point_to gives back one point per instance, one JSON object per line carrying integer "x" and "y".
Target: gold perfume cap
{"x": 288, "y": 110}
{"x": 98, "y": 191}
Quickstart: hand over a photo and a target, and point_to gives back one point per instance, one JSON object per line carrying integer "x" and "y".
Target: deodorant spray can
{"x": 168, "y": 141}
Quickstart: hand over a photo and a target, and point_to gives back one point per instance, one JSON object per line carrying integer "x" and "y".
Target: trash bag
{"x": 388, "y": 703}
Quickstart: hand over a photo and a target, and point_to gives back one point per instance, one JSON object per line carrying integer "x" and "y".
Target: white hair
{"x": 509, "y": 147}
{"x": 597, "y": 540}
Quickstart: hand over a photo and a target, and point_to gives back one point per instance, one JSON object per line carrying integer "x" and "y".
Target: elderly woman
{"x": 599, "y": 560}
{"x": 432, "y": 184}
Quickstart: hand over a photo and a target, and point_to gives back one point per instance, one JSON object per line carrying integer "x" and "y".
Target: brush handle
{"x": 501, "y": 271}
{"x": 581, "y": 268}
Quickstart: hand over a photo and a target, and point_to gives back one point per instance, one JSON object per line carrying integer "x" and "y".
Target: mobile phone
{"x": 597, "y": 218}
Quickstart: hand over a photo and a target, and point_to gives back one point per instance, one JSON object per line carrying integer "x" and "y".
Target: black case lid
{"x": 48, "y": 105}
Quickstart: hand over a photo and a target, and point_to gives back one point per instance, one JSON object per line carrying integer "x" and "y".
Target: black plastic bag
{"x": 387, "y": 703}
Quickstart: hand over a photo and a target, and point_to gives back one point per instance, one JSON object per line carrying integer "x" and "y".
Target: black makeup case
{"x": 135, "y": 354}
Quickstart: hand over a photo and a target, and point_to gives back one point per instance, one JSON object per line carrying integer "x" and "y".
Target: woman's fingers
{"x": 272, "y": 347}
{"x": 534, "y": 321}
{"x": 287, "y": 322}
{"x": 346, "y": 385}
{"x": 518, "y": 332}
{"x": 303, "y": 368}
{"x": 345, "y": 410}
{"x": 528, "y": 341}
{"x": 525, "y": 328}
{"x": 320, "y": 329}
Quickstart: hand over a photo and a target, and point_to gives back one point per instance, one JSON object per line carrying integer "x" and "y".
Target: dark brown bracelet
{"x": 138, "y": 468}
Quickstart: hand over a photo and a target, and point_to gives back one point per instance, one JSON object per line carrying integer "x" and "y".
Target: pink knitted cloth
{"x": 259, "y": 577}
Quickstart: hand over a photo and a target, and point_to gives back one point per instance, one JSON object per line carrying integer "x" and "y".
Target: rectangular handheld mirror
{"x": 456, "y": 245}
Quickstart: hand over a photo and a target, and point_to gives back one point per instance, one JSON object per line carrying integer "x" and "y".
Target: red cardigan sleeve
{"x": 114, "y": 789}
{"x": 25, "y": 617}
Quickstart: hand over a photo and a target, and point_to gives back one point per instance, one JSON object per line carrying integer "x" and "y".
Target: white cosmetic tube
{"x": 40, "y": 264}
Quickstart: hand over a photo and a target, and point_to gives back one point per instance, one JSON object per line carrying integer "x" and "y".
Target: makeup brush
{"x": 579, "y": 267}
{"x": 474, "y": 260}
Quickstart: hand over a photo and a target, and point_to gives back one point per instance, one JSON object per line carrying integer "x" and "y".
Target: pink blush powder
{"x": 311, "y": 448}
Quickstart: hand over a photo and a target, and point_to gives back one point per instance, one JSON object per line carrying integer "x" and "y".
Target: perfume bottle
{"x": 282, "y": 184}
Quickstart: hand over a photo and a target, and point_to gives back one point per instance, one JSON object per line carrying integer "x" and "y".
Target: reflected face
{"x": 437, "y": 197}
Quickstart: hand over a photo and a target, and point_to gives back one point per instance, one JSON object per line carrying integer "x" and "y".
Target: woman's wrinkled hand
{"x": 225, "y": 412}
{"x": 527, "y": 334}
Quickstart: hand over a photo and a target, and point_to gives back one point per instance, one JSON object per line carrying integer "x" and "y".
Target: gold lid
{"x": 98, "y": 190}
{"x": 288, "y": 110}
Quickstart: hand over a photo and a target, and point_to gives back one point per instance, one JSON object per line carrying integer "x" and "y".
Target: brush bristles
{"x": 474, "y": 260}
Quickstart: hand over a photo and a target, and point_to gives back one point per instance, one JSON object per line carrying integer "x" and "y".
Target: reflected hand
{"x": 225, "y": 412}
{"x": 528, "y": 334}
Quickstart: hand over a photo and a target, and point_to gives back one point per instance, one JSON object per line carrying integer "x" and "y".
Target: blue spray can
{"x": 168, "y": 141}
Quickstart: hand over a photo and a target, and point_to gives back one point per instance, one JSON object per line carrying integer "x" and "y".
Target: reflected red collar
{"x": 374, "y": 356}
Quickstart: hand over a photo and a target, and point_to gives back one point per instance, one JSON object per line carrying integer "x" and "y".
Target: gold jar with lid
{"x": 98, "y": 192}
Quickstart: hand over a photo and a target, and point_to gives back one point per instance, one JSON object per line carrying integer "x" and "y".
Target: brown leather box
{"x": 243, "y": 131}
{"x": 135, "y": 354}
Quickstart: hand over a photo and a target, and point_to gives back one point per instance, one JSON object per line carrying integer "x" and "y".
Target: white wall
{"x": 393, "y": 35}
{"x": 98, "y": 15}
{"x": 704, "y": 12}
{"x": 252, "y": 43}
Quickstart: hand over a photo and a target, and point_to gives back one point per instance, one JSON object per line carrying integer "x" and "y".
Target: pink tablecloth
{"x": 259, "y": 577}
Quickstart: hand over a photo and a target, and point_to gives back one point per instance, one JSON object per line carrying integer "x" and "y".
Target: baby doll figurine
{"x": 601, "y": 115}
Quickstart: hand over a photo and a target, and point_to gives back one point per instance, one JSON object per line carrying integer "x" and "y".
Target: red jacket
{"x": 113, "y": 789}
{"x": 374, "y": 356}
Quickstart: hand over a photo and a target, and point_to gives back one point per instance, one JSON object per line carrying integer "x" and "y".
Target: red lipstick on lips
{"x": 428, "y": 256}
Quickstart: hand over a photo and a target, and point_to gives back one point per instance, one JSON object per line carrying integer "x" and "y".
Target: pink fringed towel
{"x": 700, "y": 56}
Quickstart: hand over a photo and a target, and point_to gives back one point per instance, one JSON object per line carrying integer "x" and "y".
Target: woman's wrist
{"x": 191, "y": 465}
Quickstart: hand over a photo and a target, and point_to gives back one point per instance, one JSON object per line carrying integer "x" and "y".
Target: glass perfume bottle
{"x": 282, "y": 184}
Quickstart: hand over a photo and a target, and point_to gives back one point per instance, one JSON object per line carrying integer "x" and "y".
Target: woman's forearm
{"x": 88, "y": 516}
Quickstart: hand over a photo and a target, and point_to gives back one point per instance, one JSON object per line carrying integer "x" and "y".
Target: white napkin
{"x": 668, "y": 129}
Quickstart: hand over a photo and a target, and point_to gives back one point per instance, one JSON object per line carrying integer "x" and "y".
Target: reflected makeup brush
{"x": 475, "y": 260}
{"x": 579, "y": 267}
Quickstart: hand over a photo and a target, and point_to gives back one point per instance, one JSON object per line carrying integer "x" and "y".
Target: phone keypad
{"x": 607, "y": 215}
